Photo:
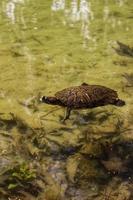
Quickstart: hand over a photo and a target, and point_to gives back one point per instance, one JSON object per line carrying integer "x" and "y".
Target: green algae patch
{"x": 18, "y": 179}
{"x": 19, "y": 175}
{"x": 24, "y": 173}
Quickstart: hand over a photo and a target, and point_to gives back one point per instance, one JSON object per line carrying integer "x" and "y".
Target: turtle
{"x": 83, "y": 96}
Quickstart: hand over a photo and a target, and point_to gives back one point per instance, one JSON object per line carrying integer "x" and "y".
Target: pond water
{"x": 46, "y": 46}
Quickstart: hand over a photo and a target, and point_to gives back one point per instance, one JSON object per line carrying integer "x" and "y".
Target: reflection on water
{"x": 121, "y": 2}
{"x": 106, "y": 12}
{"x": 58, "y": 5}
{"x": 29, "y": 71}
{"x": 78, "y": 11}
{"x": 11, "y": 9}
{"x": 86, "y": 15}
{"x": 46, "y": 46}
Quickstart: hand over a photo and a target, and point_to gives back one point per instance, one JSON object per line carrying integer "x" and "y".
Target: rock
{"x": 115, "y": 165}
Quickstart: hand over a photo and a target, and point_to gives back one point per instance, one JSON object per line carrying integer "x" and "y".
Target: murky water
{"x": 46, "y": 46}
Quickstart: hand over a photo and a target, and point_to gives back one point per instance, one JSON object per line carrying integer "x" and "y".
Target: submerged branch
{"x": 124, "y": 50}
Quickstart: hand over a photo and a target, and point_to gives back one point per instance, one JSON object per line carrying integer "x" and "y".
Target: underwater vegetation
{"x": 129, "y": 79}
{"x": 46, "y": 46}
{"x": 18, "y": 179}
{"x": 124, "y": 50}
{"x": 38, "y": 164}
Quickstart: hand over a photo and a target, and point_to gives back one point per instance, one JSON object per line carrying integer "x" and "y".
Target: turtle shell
{"x": 86, "y": 96}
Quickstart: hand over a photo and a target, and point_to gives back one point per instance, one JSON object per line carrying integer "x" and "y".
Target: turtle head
{"x": 119, "y": 102}
{"x": 49, "y": 100}
{"x": 44, "y": 99}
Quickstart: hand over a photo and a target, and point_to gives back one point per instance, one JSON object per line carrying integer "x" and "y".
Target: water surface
{"x": 46, "y": 46}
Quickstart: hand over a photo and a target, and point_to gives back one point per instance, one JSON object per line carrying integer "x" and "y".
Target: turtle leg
{"x": 67, "y": 113}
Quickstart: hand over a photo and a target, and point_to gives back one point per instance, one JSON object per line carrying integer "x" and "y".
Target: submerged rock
{"x": 92, "y": 149}
{"x": 115, "y": 165}
{"x": 116, "y": 189}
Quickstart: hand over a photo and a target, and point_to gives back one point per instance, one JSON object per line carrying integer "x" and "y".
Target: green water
{"x": 46, "y": 46}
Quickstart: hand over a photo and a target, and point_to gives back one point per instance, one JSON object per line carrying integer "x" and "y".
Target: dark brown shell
{"x": 86, "y": 96}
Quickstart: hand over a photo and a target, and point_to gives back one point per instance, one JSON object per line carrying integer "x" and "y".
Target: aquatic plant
{"x": 19, "y": 178}
{"x": 123, "y": 63}
{"x": 92, "y": 149}
{"x": 116, "y": 189}
{"x": 129, "y": 79}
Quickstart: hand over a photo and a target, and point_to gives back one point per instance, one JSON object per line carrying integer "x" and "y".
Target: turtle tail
{"x": 50, "y": 100}
{"x": 119, "y": 102}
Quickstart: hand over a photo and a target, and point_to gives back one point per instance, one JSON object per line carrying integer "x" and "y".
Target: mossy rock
{"x": 89, "y": 169}
{"x": 92, "y": 149}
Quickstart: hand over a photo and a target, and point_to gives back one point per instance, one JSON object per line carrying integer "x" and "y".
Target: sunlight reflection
{"x": 78, "y": 11}
{"x": 10, "y": 9}
{"x": 121, "y": 2}
{"x": 58, "y": 5}
{"x": 86, "y": 15}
